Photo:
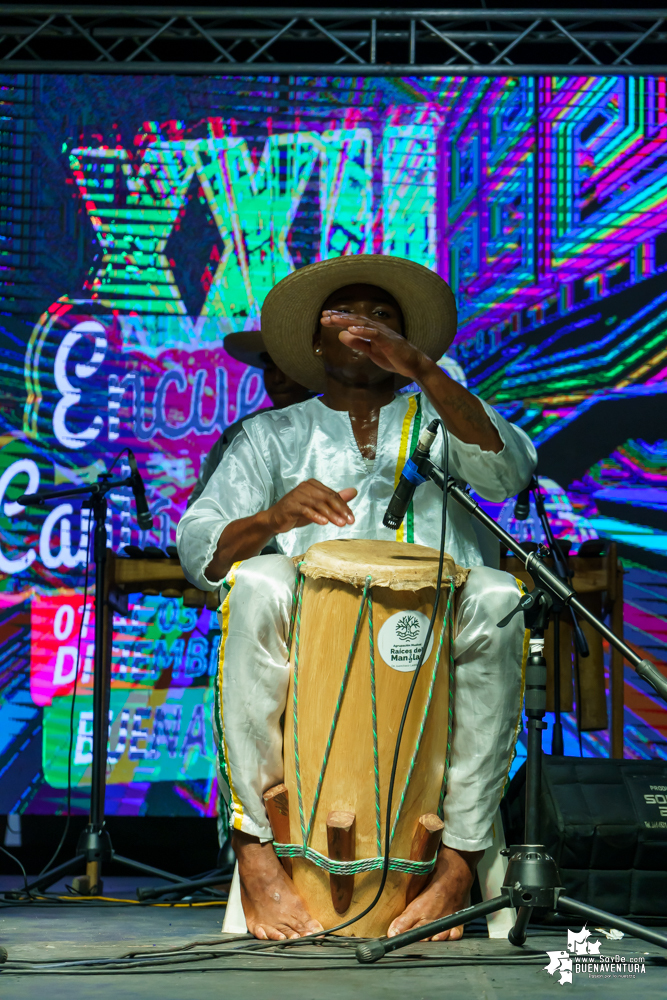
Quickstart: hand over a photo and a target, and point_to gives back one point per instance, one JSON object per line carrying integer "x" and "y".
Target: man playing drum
{"x": 355, "y": 329}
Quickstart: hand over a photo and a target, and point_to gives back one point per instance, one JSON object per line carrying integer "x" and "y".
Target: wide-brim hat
{"x": 292, "y": 309}
{"x": 248, "y": 347}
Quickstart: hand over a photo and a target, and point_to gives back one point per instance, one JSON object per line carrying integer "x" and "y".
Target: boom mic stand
{"x": 94, "y": 847}
{"x": 561, "y": 570}
{"x": 532, "y": 878}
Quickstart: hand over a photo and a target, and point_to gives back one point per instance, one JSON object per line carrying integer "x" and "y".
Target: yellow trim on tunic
{"x": 403, "y": 455}
{"x": 230, "y": 579}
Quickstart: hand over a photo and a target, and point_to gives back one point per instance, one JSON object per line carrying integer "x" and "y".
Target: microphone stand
{"x": 94, "y": 846}
{"x": 560, "y": 565}
{"x": 532, "y": 878}
{"x": 561, "y": 569}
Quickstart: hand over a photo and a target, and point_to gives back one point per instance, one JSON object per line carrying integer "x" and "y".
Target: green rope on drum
{"x": 446, "y": 619}
{"x": 292, "y": 617}
{"x": 352, "y": 867}
{"x": 295, "y": 702}
{"x": 306, "y": 830}
{"x": 450, "y": 721}
{"x": 374, "y": 716}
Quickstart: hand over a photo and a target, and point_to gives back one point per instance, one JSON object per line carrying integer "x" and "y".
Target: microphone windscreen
{"x": 145, "y": 520}
{"x": 522, "y": 505}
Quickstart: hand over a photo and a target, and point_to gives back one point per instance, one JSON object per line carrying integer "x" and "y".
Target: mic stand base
{"x": 220, "y": 876}
{"x": 532, "y": 878}
{"x": 372, "y": 951}
{"x": 94, "y": 848}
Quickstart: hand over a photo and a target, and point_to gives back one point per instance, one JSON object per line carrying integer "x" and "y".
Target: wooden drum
{"x": 361, "y": 613}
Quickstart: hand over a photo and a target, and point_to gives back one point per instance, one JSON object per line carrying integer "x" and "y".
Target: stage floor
{"x": 471, "y": 969}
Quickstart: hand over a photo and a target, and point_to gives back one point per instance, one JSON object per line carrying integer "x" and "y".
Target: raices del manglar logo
{"x": 583, "y": 956}
{"x": 407, "y": 628}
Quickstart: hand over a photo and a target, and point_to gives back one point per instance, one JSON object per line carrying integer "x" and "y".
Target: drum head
{"x": 396, "y": 565}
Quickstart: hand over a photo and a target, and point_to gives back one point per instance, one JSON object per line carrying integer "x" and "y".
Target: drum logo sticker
{"x": 401, "y": 639}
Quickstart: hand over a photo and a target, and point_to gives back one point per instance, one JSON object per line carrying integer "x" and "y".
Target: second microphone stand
{"x": 532, "y": 878}
{"x": 561, "y": 570}
{"x": 94, "y": 846}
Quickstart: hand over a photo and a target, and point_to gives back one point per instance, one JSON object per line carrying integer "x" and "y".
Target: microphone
{"x": 522, "y": 505}
{"x": 144, "y": 516}
{"x": 411, "y": 477}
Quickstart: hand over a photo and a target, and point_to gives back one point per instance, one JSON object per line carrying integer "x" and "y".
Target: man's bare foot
{"x": 447, "y": 892}
{"x": 273, "y": 908}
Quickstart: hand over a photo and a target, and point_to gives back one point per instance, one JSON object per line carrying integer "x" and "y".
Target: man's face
{"x": 342, "y": 363}
{"x": 281, "y": 389}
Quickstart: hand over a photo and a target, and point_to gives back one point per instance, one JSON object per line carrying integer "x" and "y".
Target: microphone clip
{"x": 416, "y": 471}
{"x": 413, "y": 473}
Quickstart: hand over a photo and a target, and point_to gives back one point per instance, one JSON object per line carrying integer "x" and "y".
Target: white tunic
{"x": 276, "y": 451}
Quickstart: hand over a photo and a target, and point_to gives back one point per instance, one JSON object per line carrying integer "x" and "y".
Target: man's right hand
{"x": 308, "y": 503}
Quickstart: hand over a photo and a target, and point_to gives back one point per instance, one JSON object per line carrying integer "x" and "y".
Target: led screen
{"x": 144, "y": 218}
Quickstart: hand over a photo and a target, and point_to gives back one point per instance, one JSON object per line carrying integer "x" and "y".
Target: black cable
{"x": 173, "y": 960}
{"x": 59, "y": 848}
{"x": 243, "y": 944}
{"x": 110, "y": 469}
{"x": 89, "y": 965}
{"x": 577, "y": 689}
{"x": 15, "y": 859}
{"x": 399, "y": 736}
{"x": 98, "y": 967}
{"x": 403, "y": 964}
{"x": 51, "y": 900}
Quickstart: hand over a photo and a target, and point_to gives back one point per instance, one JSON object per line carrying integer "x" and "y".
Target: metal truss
{"x": 307, "y": 41}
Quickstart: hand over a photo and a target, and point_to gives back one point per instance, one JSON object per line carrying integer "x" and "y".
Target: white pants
{"x": 254, "y": 675}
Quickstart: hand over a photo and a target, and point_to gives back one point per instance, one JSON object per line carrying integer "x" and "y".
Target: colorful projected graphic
{"x": 145, "y": 218}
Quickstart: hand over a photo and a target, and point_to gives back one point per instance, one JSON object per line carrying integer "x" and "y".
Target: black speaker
{"x": 605, "y": 823}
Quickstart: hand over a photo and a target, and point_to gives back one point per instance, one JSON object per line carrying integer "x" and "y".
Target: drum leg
{"x": 276, "y": 800}
{"x": 341, "y": 845}
{"x": 425, "y": 845}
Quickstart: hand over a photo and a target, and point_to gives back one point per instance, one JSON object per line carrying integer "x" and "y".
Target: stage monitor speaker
{"x": 605, "y": 823}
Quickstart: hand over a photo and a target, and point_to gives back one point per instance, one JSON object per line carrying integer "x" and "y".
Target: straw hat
{"x": 292, "y": 309}
{"x": 247, "y": 346}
